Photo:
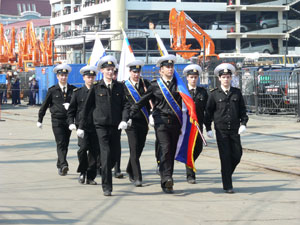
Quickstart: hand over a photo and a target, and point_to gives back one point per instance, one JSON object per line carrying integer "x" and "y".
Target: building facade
{"x": 234, "y": 25}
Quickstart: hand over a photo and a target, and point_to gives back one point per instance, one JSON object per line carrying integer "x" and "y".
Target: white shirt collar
{"x": 224, "y": 89}
{"x": 133, "y": 82}
{"x": 62, "y": 87}
{"x": 190, "y": 87}
{"x": 106, "y": 83}
{"x": 167, "y": 80}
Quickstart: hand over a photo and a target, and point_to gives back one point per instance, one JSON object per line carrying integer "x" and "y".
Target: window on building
{"x": 33, "y": 7}
{"x": 19, "y": 8}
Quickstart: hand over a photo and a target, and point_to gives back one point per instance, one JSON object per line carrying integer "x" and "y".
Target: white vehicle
{"x": 261, "y": 46}
{"x": 226, "y": 25}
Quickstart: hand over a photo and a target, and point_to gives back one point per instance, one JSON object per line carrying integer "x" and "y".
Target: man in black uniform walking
{"x": 166, "y": 113}
{"x": 58, "y": 99}
{"x": 87, "y": 162}
{"x": 135, "y": 88}
{"x": 107, "y": 100}
{"x": 227, "y": 109}
{"x": 199, "y": 95}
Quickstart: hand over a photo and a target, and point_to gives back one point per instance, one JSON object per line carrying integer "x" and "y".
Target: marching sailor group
{"x": 99, "y": 111}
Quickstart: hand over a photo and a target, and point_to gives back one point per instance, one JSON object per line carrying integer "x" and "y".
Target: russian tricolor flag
{"x": 190, "y": 126}
{"x": 127, "y": 56}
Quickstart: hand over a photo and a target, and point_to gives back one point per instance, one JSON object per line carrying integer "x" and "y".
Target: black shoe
{"x": 169, "y": 183}
{"x": 59, "y": 172}
{"x": 91, "y": 182}
{"x": 81, "y": 178}
{"x": 229, "y": 191}
{"x": 64, "y": 170}
{"x": 107, "y": 193}
{"x": 119, "y": 175}
{"x": 168, "y": 190}
{"x": 191, "y": 180}
{"x": 138, "y": 183}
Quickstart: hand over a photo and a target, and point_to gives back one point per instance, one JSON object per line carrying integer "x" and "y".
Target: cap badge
{"x": 109, "y": 62}
{"x": 64, "y": 70}
{"x": 170, "y": 61}
{"x": 137, "y": 66}
{"x": 194, "y": 70}
{"x": 225, "y": 70}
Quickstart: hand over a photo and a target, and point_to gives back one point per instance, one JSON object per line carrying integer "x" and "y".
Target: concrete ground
{"x": 31, "y": 192}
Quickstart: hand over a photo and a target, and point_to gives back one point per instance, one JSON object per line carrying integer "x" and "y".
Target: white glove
{"x": 242, "y": 129}
{"x": 122, "y": 126}
{"x": 151, "y": 121}
{"x": 39, "y": 125}
{"x": 210, "y": 134}
{"x": 72, "y": 127}
{"x": 129, "y": 122}
{"x": 80, "y": 133}
{"x": 66, "y": 105}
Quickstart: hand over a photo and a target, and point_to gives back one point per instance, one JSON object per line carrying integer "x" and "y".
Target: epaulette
{"x": 213, "y": 89}
{"x": 95, "y": 82}
{"x": 154, "y": 80}
{"x": 52, "y": 87}
{"x": 76, "y": 89}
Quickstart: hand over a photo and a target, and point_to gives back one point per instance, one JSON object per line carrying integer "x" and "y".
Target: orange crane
{"x": 31, "y": 51}
{"x": 180, "y": 23}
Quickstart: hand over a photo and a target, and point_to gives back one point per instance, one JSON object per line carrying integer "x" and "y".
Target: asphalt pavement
{"x": 266, "y": 182}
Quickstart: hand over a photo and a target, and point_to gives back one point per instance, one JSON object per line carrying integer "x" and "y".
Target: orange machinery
{"x": 180, "y": 23}
{"x": 7, "y": 51}
{"x": 31, "y": 51}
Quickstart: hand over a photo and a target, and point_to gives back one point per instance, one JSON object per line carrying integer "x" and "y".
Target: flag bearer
{"x": 167, "y": 105}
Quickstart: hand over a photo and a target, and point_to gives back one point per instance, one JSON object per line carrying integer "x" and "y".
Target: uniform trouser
{"x": 110, "y": 150}
{"x": 197, "y": 150}
{"x": 157, "y": 151}
{"x": 230, "y": 151}
{"x": 62, "y": 137}
{"x": 136, "y": 140}
{"x": 167, "y": 135}
{"x": 88, "y": 161}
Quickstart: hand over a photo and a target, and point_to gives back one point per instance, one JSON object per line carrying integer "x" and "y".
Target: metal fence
{"x": 265, "y": 92}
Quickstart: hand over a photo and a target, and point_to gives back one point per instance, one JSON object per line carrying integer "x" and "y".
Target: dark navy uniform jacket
{"x": 227, "y": 111}
{"x": 55, "y": 100}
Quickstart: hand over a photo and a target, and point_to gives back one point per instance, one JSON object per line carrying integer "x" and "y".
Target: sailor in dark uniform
{"x": 89, "y": 143}
{"x": 227, "y": 109}
{"x": 167, "y": 105}
{"x": 107, "y": 100}
{"x": 200, "y": 96}
{"x": 58, "y": 99}
{"x": 135, "y": 88}
{"x": 117, "y": 167}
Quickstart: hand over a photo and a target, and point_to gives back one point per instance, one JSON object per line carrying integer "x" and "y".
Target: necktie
{"x": 192, "y": 92}
{"x": 136, "y": 86}
{"x": 109, "y": 89}
{"x": 168, "y": 83}
{"x": 226, "y": 92}
{"x": 64, "y": 92}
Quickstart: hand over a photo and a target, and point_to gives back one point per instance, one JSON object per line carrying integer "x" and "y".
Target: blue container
{"x": 46, "y": 79}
